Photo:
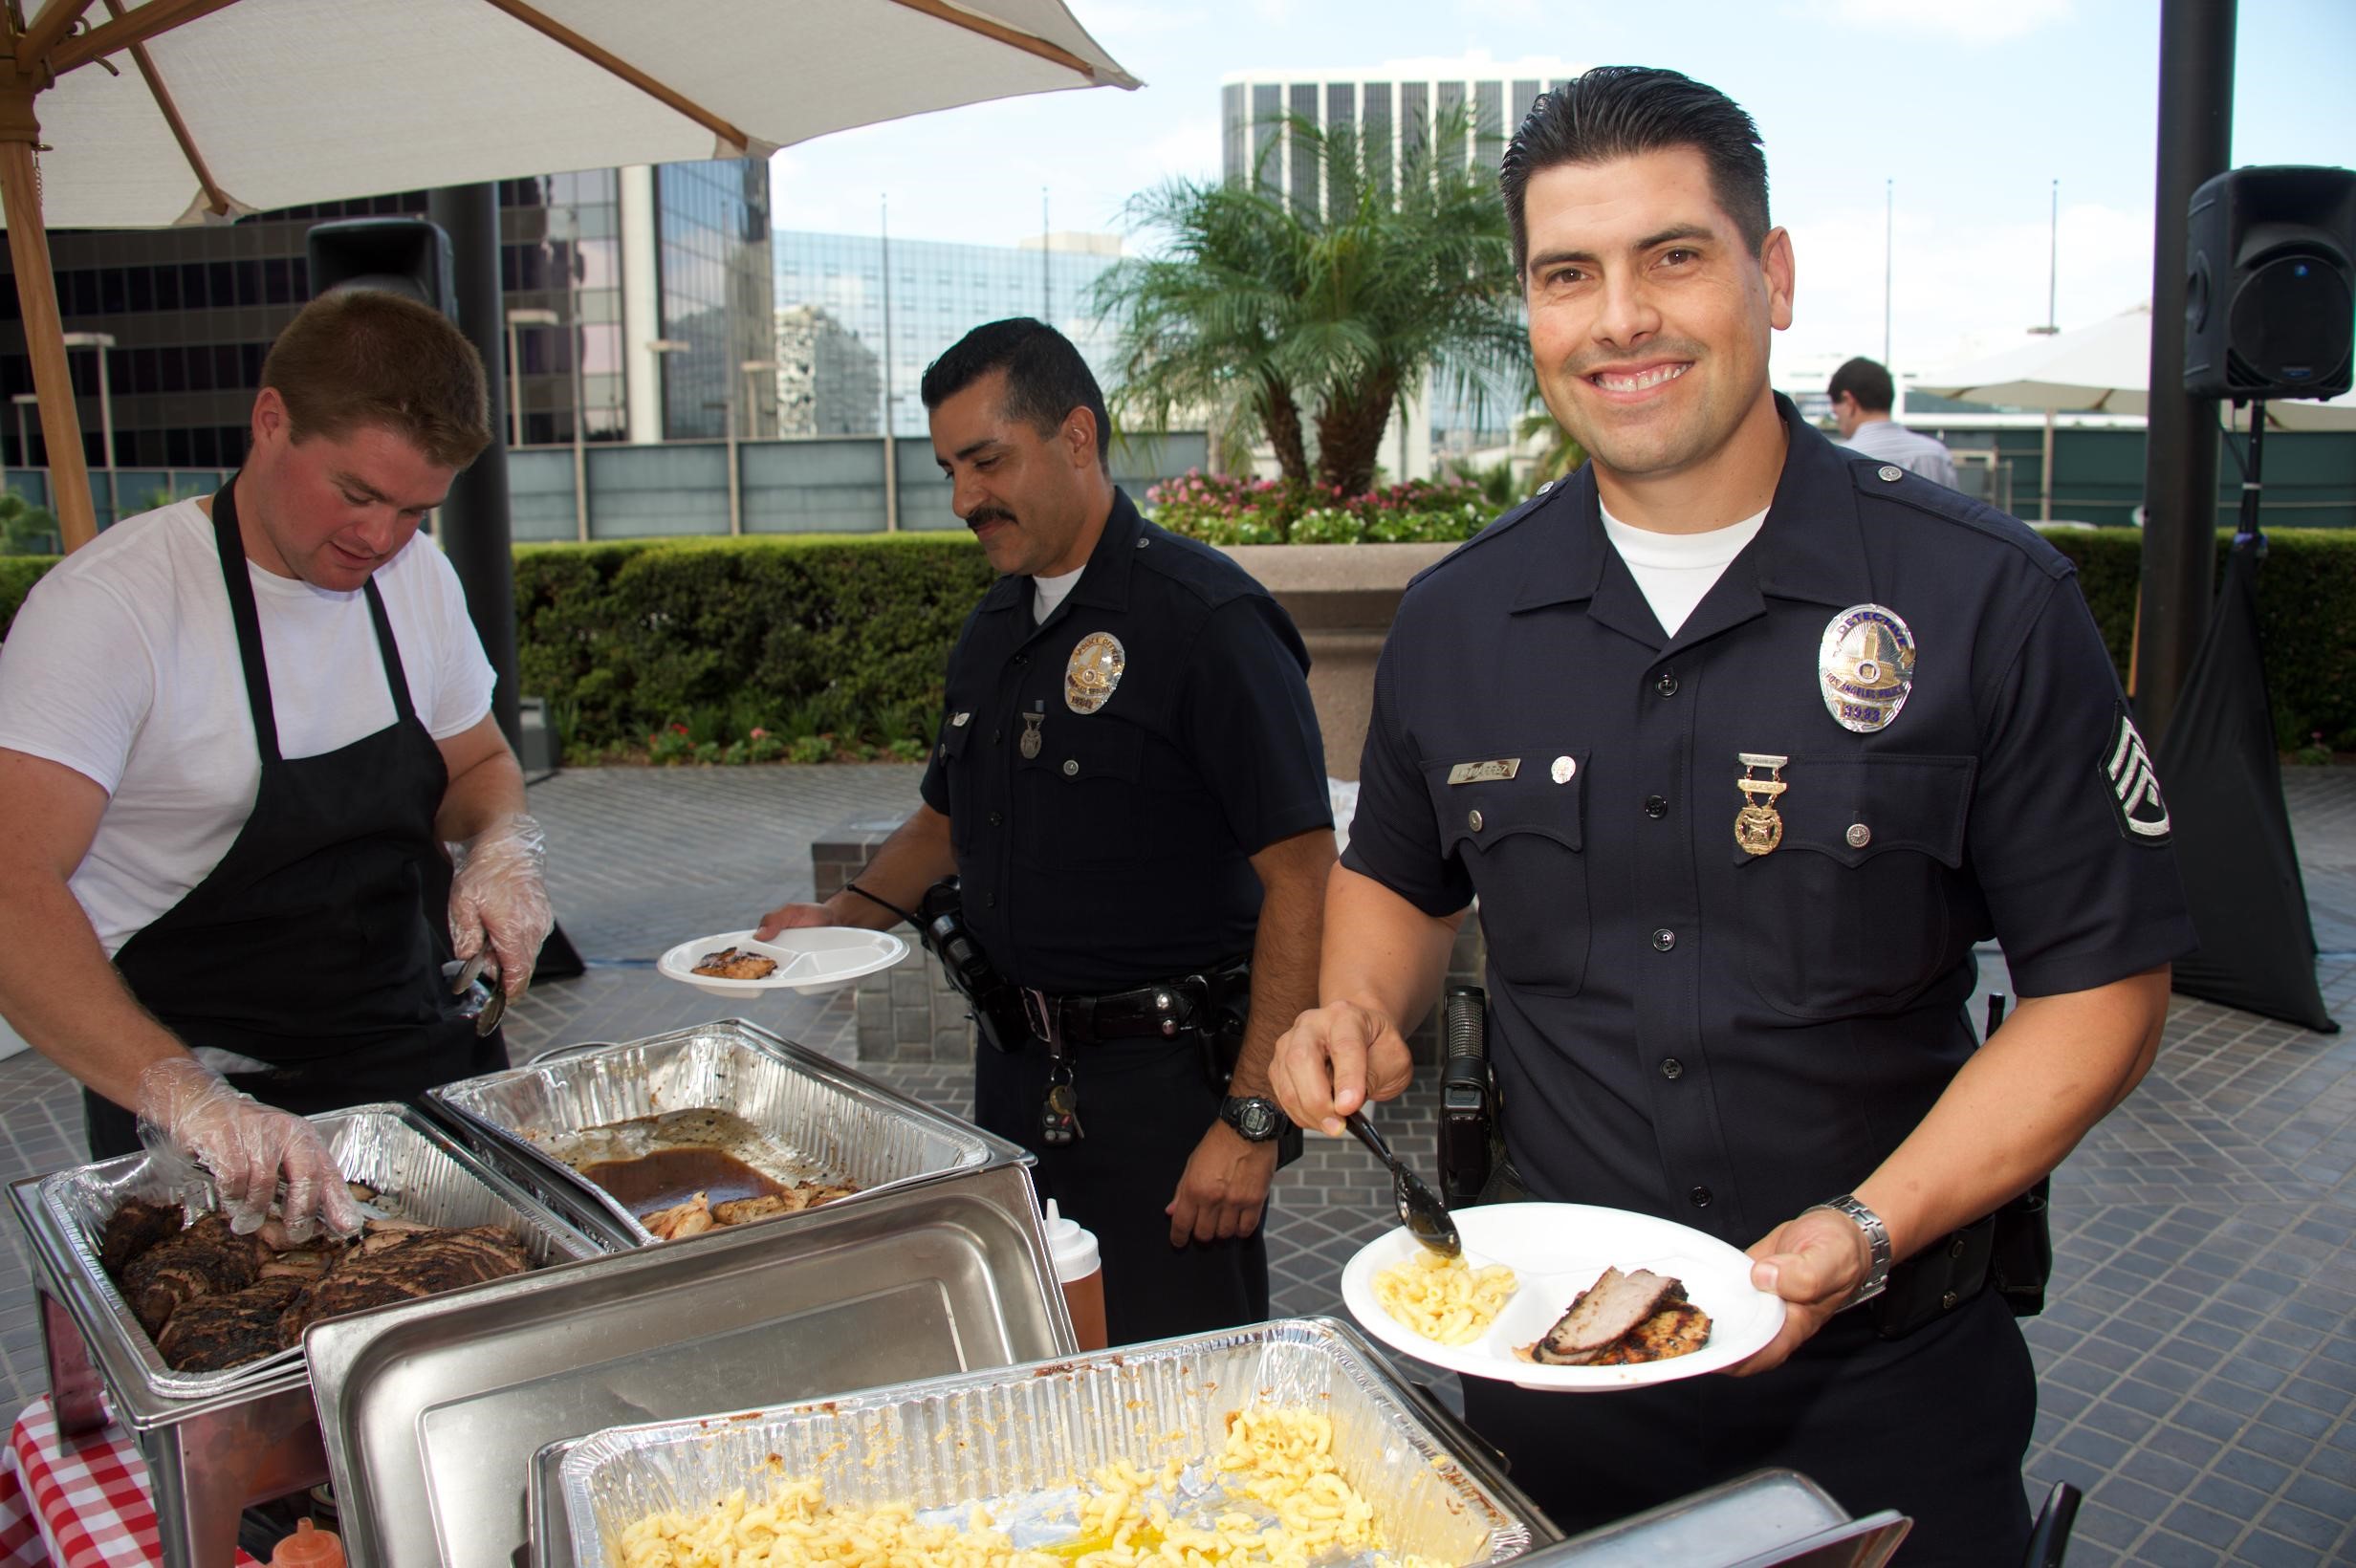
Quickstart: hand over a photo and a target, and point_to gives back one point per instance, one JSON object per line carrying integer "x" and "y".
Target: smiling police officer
{"x": 1131, "y": 785}
{"x": 1742, "y": 742}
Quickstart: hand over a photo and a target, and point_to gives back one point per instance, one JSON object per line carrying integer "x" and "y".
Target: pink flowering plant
{"x": 1232, "y": 510}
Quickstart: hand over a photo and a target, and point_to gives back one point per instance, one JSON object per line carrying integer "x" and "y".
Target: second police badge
{"x": 1865, "y": 668}
{"x": 1093, "y": 672}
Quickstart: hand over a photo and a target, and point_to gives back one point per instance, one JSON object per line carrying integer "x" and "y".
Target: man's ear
{"x": 271, "y": 419}
{"x": 1079, "y": 436}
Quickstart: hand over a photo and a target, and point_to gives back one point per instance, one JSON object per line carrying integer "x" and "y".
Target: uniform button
{"x": 1859, "y": 835}
{"x": 1472, "y": 821}
{"x": 1946, "y": 1302}
{"x": 997, "y": 818}
{"x": 1565, "y": 769}
{"x": 1022, "y": 658}
{"x": 1664, "y": 939}
{"x": 997, "y": 737}
{"x": 1671, "y": 1068}
{"x": 990, "y": 901}
{"x": 1666, "y": 685}
{"x": 1656, "y": 805}
{"x": 1890, "y": 474}
{"x": 1141, "y": 542}
{"x": 1954, "y": 1248}
{"x": 1071, "y": 767}
{"x": 1698, "y": 1197}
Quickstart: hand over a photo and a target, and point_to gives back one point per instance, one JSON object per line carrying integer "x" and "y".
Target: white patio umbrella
{"x": 2101, "y": 369}
{"x": 122, "y": 115}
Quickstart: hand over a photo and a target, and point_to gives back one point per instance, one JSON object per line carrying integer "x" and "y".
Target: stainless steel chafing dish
{"x": 433, "y": 1411}
{"x": 830, "y": 1118}
{"x": 215, "y": 1442}
{"x": 1021, "y": 1438}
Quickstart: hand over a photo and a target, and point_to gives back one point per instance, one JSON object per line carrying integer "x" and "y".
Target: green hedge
{"x": 847, "y": 637}
{"x": 705, "y": 642}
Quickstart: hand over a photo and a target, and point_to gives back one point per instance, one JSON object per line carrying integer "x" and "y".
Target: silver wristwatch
{"x": 1877, "y": 1238}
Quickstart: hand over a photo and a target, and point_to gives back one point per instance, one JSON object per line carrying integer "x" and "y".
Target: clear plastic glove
{"x": 499, "y": 894}
{"x": 249, "y": 1147}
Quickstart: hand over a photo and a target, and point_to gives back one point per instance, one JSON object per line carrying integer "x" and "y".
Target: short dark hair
{"x": 1618, "y": 111}
{"x": 360, "y": 357}
{"x": 1045, "y": 377}
{"x": 1866, "y": 380}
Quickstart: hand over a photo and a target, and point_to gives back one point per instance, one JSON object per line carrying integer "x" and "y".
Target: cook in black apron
{"x": 310, "y": 945}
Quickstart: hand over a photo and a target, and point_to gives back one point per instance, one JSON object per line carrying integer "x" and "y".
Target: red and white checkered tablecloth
{"x": 86, "y": 1506}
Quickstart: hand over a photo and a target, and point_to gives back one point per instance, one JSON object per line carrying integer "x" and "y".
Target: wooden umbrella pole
{"x": 37, "y": 295}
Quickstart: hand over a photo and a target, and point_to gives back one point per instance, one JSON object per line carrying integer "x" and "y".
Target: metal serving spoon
{"x": 472, "y": 970}
{"x": 1421, "y": 1209}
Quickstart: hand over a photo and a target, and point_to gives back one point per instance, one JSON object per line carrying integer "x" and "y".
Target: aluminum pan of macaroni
{"x": 824, "y": 1116}
{"x": 416, "y": 1172}
{"x": 1007, "y": 1437}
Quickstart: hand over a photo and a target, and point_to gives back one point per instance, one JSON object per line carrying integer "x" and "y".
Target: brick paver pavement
{"x": 2197, "y": 1360}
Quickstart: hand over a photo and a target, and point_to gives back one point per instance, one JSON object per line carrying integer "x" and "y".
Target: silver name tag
{"x": 1483, "y": 773}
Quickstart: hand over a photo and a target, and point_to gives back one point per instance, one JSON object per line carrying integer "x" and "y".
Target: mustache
{"x": 989, "y": 514}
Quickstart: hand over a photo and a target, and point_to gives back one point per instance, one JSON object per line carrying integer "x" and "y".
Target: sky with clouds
{"x": 1971, "y": 107}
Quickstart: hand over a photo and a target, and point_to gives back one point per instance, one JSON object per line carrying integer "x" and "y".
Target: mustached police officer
{"x": 1742, "y": 742}
{"x": 1131, "y": 785}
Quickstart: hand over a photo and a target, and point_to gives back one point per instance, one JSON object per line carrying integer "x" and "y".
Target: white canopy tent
{"x": 122, "y": 115}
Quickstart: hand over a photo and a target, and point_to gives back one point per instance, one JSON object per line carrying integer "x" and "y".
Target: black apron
{"x": 312, "y": 945}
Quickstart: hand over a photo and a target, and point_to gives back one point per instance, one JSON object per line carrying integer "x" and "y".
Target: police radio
{"x": 1468, "y": 1096}
{"x": 995, "y": 1004}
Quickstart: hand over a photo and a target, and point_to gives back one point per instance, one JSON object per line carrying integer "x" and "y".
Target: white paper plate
{"x": 810, "y": 958}
{"x": 1557, "y": 1249}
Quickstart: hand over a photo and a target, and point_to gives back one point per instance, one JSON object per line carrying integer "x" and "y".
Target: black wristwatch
{"x": 1254, "y": 1119}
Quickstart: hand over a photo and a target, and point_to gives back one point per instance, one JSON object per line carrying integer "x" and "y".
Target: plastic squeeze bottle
{"x": 1080, "y": 1270}
{"x": 309, "y": 1547}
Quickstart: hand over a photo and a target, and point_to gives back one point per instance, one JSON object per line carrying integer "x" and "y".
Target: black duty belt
{"x": 1163, "y": 1010}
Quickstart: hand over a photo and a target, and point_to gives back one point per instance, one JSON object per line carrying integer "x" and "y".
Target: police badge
{"x": 1093, "y": 672}
{"x": 1865, "y": 668}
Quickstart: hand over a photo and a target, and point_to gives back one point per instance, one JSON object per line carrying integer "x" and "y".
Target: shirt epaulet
{"x": 1210, "y": 576}
{"x": 1936, "y": 500}
{"x": 1545, "y": 493}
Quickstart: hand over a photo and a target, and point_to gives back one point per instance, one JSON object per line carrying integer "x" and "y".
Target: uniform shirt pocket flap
{"x": 1854, "y": 809}
{"x": 1487, "y": 810}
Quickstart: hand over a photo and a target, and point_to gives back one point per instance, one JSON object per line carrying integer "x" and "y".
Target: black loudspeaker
{"x": 400, "y": 255}
{"x": 2270, "y": 304}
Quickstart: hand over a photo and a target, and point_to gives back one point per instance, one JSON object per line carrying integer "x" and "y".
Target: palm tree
{"x": 1307, "y": 322}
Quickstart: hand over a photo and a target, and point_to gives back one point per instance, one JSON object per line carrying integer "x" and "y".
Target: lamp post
{"x": 735, "y": 491}
{"x": 101, "y": 342}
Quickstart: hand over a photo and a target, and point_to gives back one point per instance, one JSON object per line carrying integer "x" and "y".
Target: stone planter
{"x": 1342, "y": 598}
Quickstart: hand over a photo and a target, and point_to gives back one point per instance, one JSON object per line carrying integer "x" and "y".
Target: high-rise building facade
{"x": 829, "y": 384}
{"x": 1395, "y": 109}
{"x": 937, "y": 292}
{"x": 192, "y": 312}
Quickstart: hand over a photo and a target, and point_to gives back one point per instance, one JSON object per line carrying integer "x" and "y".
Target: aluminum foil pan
{"x": 1020, "y": 1440}
{"x": 416, "y": 1174}
{"x": 821, "y": 1119}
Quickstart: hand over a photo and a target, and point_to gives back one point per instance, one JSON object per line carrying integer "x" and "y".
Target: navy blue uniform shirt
{"x": 1120, "y": 853}
{"x": 1688, "y": 1030}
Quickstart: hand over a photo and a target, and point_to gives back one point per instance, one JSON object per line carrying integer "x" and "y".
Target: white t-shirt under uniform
{"x": 1676, "y": 570}
{"x": 123, "y": 666}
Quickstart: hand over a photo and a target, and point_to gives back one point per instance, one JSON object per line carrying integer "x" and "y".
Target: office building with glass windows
{"x": 933, "y": 293}
{"x": 1395, "y": 107}
{"x": 657, "y": 278}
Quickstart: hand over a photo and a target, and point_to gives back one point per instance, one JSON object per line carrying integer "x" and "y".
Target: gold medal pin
{"x": 1031, "y": 739}
{"x": 1758, "y": 827}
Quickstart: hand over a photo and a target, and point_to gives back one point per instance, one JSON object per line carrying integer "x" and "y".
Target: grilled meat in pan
{"x": 1623, "y": 1319}
{"x": 213, "y": 1299}
{"x": 402, "y": 1266}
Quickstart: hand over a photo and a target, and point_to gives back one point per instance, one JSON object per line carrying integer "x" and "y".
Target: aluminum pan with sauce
{"x": 415, "y": 1173}
{"x": 1005, "y": 1436}
{"x": 827, "y": 1116}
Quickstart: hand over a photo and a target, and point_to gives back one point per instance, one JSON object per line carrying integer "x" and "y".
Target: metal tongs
{"x": 477, "y": 968}
{"x": 1421, "y": 1209}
